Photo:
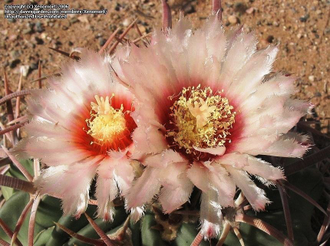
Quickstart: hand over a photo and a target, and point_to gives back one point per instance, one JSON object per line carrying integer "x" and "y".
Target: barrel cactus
{"x": 187, "y": 141}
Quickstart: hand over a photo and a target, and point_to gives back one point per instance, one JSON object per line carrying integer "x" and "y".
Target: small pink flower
{"x": 81, "y": 126}
{"x": 204, "y": 113}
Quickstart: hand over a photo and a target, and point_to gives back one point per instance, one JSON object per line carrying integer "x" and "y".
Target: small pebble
{"x": 327, "y": 30}
{"x": 311, "y": 78}
{"x": 142, "y": 29}
{"x": 38, "y": 40}
{"x": 126, "y": 22}
{"x": 14, "y": 63}
{"x": 39, "y": 27}
{"x": 25, "y": 70}
{"x": 14, "y": 54}
{"x": 270, "y": 39}
{"x": 34, "y": 66}
{"x": 102, "y": 41}
{"x": 117, "y": 8}
{"x": 232, "y": 19}
{"x": 12, "y": 37}
{"x": 189, "y": 9}
{"x": 304, "y": 18}
{"x": 43, "y": 35}
{"x": 240, "y": 7}
{"x": 250, "y": 10}
{"x": 73, "y": 20}
{"x": 27, "y": 30}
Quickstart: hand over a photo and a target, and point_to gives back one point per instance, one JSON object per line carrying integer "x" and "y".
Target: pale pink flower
{"x": 81, "y": 126}
{"x": 204, "y": 113}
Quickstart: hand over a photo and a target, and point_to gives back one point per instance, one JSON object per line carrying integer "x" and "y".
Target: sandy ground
{"x": 300, "y": 28}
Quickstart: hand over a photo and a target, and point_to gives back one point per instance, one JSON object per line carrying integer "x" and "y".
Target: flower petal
{"x": 69, "y": 183}
{"x": 286, "y": 146}
{"x": 106, "y": 192}
{"x": 212, "y": 151}
{"x": 124, "y": 175}
{"x": 210, "y": 215}
{"x": 106, "y": 188}
{"x": 252, "y": 165}
{"x": 148, "y": 139}
{"x": 176, "y": 187}
{"x": 198, "y": 173}
{"x": 144, "y": 188}
{"x": 51, "y": 151}
{"x": 240, "y": 51}
{"x": 253, "y": 193}
{"x": 163, "y": 159}
{"x": 222, "y": 183}
{"x": 250, "y": 76}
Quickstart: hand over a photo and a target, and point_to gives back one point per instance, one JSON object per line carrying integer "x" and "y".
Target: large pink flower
{"x": 80, "y": 126}
{"x": 205, "y": 111}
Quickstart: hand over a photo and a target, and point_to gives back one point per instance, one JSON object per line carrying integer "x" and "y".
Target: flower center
{"x": 200, "y": 118}
{"x": 106, "y": 123}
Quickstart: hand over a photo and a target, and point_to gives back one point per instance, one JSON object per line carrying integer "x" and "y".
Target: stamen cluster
{"x": 106, "y": 123}
{"x": 200, "y": 118}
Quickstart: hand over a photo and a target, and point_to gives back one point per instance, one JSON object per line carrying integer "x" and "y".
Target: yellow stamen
{"x": 106, "y": 123}
{"x": 200, "y": 119}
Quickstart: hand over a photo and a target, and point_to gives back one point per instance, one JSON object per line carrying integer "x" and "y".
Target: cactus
{"x": 30, "y": 218}
{"x": 155, "y": 228}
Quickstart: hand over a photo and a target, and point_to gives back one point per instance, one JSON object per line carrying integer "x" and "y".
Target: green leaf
{"x": 43, "y": 237}
{"x": 16, "y": 173}
{"x": 49, "y": 210}
{"x": 88, "y": 231}
{"x": 10, "y": 213}
{"x": 187, "y": 234}
{"x": 59, "y": 237}
{"x": 7, "y": 192}
{"x": 136, "y": 232}
{"x": 150, "y": 236}
{"x": 309, "y": 181}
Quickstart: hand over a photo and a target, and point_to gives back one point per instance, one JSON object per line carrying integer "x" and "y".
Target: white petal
{"x": 198, "y": 173}
{"x": 106, "y": 188}
{"x": 242, "y": 47}
{"x": 71, "y": 183}
{"x": 106, "y": 192}
{"x": 253, "y": 194}
{"x": 176, "y": 187}
{"x": 252, "y": 145}
{"x": 206, "y": 176}
{"x": 210, "y": 215}
{"x": 148, "y": 140}
{"x": 144, "y": 188}
{"x": 286, "y": 146}
{"x": 212, "y": 151}
{"x": 222, "y": 183}
{"x": 124, "y": 175}
{"x": 53, "y": 152}
{"x": 196, "y": 64}
{"x": 276, "y": 86}
{"x": 253, "y": 165}
{"x": 250, "y": 76}
{"x": 163, "y": 159}
{"x": 136, "y": 213}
